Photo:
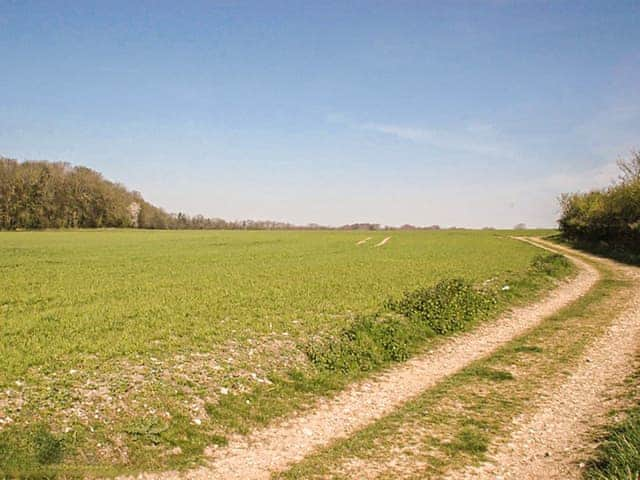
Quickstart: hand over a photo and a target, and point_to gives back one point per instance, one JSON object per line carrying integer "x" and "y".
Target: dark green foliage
{"x": 446, "y": 307}
{"x": 375, "y": 340}
{"x": 148, "y": 429}
{"x": 610, "y": 217}
{"x": 5, "y": 450}
{"x": 550, "y": 264}
{"x": 48, "y": 448}
{"x": 622, "y": 253}
{"x": 618, "y": 456}
{"x": 368, "y": 343}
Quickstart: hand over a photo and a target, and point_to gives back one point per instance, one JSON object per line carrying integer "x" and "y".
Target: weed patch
{"x": 449, "y": 306}
{"x": 48, "y": 448}
{"x": 368, "y": 343}
{"x": 446, "y": 307}
{"x": 147, "y": 429}
{"x": 550, "y": 264}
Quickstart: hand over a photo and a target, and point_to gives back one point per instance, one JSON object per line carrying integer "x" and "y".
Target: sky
{"x": 453, "y": 113}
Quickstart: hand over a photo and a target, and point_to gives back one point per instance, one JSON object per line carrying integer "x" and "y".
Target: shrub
{"x": 552, "y": 264}
{"x": 375, "y": 340}
{"x": 368, "y": 343}
{"x": 446, "y": 307}
{"x": 449, "y": 306}
{"x": 610, "y": 216}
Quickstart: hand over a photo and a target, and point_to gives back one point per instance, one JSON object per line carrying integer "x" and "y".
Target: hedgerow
{"x": 608, "y": 217}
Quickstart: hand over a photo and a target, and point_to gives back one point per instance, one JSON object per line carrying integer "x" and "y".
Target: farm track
{"x": 288, "y": 441}
{"x": 551, "y": 441}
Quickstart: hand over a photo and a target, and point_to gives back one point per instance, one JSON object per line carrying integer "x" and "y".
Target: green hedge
{"x": 610, "y": 216}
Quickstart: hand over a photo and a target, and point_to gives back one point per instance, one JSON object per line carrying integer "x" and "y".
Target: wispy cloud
{"x": 479, "y": 139}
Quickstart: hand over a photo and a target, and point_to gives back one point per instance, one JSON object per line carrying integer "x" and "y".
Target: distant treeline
{"x": 608, "y": 216}
{"x": 40, "y": 194}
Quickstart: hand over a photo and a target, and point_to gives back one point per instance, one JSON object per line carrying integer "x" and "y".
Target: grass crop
{"x": 136, "y": 349}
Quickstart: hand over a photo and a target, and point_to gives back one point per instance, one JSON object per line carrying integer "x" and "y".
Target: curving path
{"x": 551, "y": 441}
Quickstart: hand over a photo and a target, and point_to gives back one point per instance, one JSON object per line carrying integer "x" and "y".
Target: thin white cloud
{"x": 478, "y": 139}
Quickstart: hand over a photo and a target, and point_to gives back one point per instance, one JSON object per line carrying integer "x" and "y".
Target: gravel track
{"x": 551, "y": 441}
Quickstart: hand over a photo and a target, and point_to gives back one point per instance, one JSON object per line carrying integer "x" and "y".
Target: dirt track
{"x": 290, "y": 440}
{"x": 552, "y": 441}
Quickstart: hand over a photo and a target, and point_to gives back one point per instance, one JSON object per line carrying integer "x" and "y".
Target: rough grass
{"x": 618, "y": 456}
{"x": 137, "y": 349}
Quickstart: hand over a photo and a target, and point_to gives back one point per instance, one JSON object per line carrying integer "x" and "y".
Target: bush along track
{"x": 345, "y": 357}
{"x": 446, "y": 308}
{"x": 488, "y": 410}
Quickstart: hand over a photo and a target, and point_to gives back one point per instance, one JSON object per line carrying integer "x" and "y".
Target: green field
{"x": 120, "y": 349}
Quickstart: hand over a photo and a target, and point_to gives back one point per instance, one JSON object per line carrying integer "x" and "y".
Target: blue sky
{"x": 456, "y": 113}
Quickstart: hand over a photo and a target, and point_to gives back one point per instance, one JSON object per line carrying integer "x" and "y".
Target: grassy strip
{"x": 454, "y": 423}
{"x": 375, "y": 340}
{"x": 450, "y": 306}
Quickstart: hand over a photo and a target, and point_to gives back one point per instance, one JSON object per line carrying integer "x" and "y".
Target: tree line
{"x": 610, "y": 216}
{"x": 38, "y": 194}
{"x": 41, "y": 194}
